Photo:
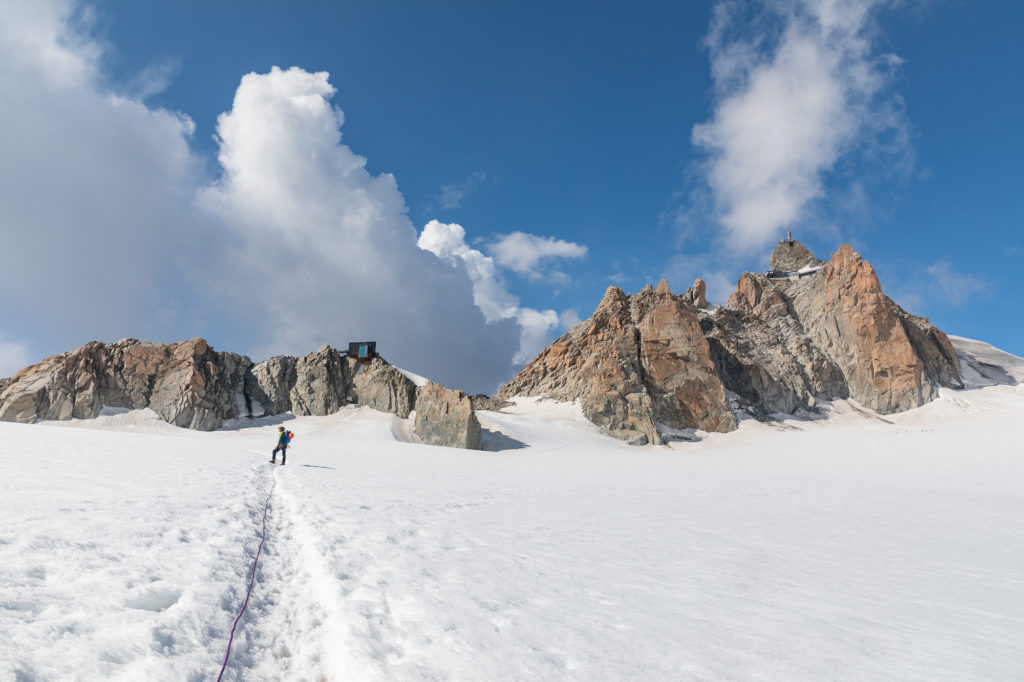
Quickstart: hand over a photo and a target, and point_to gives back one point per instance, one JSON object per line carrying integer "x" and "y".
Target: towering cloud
{"x": 115, "y": 232}
{"x": 798, "y": 85}
{"x": 94, "y": 194}
{"x": 448, "y": 242}
{"x": 323, "y": 248}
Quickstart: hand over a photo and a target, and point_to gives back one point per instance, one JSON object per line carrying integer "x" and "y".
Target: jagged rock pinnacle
{"x": 791, "y": 255}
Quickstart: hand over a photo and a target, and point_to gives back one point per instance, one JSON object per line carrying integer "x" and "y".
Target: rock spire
{"x": 648, "y": 364}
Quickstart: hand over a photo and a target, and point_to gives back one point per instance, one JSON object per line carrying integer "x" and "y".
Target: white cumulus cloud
{"x": 95, "y": 192}
{"x": 798, "y": 85}
{"x": 113, "y": 230}
{"x": 447, "y": 241}
{"x": 324, "y": 248}
{"x": 529, "y": 254}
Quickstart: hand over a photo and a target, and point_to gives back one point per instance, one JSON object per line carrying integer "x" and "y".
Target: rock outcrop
{"x": 446, "y": 417}
{"x": 191, "y": 385}
{"x": 638, "y": 362}
{"x": 270, "y": 385}
{"x": 643, "y": 367}
{"x": 653, "y": 360}
{"x": 846, "y": 335}
{"x": 382, "y": 387}
{"x": 678, "y": 371}
{"x": 697, "y": 294}
{"x": 485, "y": 402}
{"x": 791, "y": 255}
{"x": 769, "y": 365}
{"x": 941, "y": 361}
{"x": 315, "y": 384}
{"x": 188, "y": 384}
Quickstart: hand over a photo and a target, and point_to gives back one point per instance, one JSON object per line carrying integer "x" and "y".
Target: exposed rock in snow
{"x": 678, "y": 371}
{"x": 486, "y": 402}
{"x": 382, "y": 387}
{"x": 189, "y": 384}
{"x": 446, "y": 417}
{"x": 781, "y": 345}
{"x": 891, "y": 361}
{"x": 271, "y": 384}
{"x": 769, "y": 363}
{"x": 638, "y": 360}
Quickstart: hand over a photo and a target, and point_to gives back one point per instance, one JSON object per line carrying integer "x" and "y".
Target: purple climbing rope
{"x": 252, "y": 580}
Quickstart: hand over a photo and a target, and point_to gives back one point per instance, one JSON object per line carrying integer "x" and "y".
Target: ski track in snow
{"x": 841, "y": 548}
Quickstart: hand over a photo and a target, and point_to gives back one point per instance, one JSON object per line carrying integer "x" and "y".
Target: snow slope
{"x": 986, "y": 365}
{"x": 848, "y": 546}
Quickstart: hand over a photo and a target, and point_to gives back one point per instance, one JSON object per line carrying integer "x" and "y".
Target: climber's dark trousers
{"x": 273, "y": 455}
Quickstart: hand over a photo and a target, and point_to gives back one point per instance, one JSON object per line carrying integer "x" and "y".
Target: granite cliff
{"x": 647, "y": 365}
{"x": 191, "y": 385}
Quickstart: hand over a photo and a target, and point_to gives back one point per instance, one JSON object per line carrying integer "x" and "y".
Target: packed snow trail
{"x": 252, "y": 582}
{"x": 123, "y": 555}
{"x": 842, "y": 547}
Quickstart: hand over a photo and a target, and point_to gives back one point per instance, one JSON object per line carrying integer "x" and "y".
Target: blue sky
{"x": 559, "y": 148}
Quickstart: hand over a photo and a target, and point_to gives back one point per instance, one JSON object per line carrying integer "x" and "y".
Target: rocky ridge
{"x": 638, "y": 362}
{"x": 647, "y": 365}
{"x": 189, "y": 384}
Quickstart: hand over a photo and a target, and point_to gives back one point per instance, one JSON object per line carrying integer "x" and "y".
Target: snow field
{"x": 121, "y": 555}
{"x": 852, "y": 547}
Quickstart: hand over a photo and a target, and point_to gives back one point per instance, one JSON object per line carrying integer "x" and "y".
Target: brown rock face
{"x": 320, "y": 381}
{"x": 315, "y": 384}
{"x": 769, "y": 363}
{"x": 191, "y": 385}
{"x": 187, "y": 383}
{"x": 791, "y": 255}
{"x": 941, "y": 362}
{"x": 655, "y": 358}
{"x": 699, "y": 291}
{"x": 851, "y": 320}
{"x": 638, "y": 360}
{"x": 748, "y": 292}
{"x": 679, "y": 373}
{"x": 888, "y": 360}
{"x": 445, "y": 417}
{"x": 382, "y": 387}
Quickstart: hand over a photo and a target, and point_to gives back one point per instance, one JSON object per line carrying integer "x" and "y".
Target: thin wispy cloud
{"x": 956, "y": 288}
{"x": 453, "y": 195}
{"x": 932, "y": 288}
{"x": 798, "y": 85}
{"x": 153, "y": 80}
